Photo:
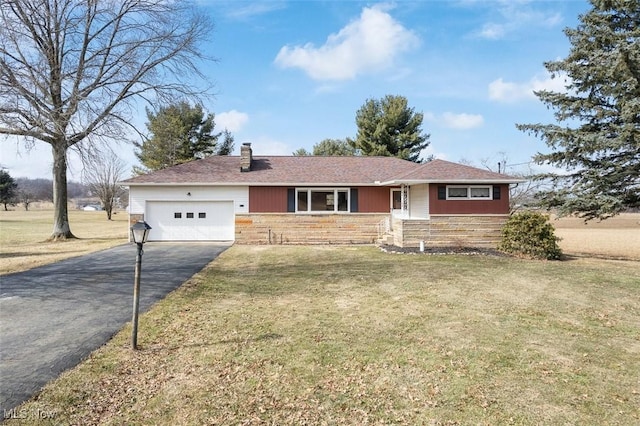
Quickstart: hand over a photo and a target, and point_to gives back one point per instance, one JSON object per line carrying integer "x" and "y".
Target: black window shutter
{"x": 291, "y": 199}
{"x": 496, "y": 192}
{"x": 354, "y": 199}
{"x": 442, "y": 192}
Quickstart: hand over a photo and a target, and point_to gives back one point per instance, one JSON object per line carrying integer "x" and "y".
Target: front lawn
{"x": 352, "y": 335}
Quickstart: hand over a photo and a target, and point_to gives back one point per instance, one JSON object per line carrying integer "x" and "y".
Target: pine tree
{"x": 179, "y": 133}
{"x": 336, "y": 147}
{"x": 389, "y": 127}
{"x": 597, "y": 135}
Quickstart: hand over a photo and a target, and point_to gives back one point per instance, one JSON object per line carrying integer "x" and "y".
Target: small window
{"x": 202, "y": 215}
{"x": 397, "y": 199}
{"x": 482, "y": 192}
{"x": 475, "y": 192}
{"x": 457, "y": 192}
{"x": 189, "y": 215}
{"x": 177, "y": 215}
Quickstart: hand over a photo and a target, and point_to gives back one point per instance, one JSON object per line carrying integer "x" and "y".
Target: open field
{"x": 23, "y": 236}
{"x": 352, "y": 335}
{"x": 617, "y": 237}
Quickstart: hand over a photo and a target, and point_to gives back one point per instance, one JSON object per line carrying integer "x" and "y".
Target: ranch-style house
{"x": 322, "y": 200}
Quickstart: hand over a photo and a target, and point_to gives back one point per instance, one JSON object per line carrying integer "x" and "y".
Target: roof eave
{"x": 449, "y": 181}
{"x": 296, "y": 184}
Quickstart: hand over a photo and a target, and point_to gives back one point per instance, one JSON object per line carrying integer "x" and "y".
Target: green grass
{"x": 351, "y": 335}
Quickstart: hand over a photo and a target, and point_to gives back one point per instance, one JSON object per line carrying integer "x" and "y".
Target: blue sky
{"x": 289, "y": 74}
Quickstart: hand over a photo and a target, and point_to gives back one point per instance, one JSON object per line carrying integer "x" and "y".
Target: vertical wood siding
{"x": 374, "y": 199}
{"x": 437, "y": 206}
{"x": 267, "y": 199}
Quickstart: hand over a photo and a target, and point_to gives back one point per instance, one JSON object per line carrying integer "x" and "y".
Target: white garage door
{"x": 190, "y": 220}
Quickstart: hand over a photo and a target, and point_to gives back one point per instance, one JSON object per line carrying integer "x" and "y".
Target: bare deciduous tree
{"x": 102, "y": 176}
{"x": 523, "y": 194}
{"x": 73, "y": 70}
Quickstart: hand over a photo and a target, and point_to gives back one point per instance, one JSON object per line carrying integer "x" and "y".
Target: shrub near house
{"x": 530, "y": 234}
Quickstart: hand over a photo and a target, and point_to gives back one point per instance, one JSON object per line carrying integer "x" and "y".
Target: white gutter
{"x": 452, "y": 181}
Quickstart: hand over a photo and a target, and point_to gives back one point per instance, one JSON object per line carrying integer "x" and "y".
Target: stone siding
{"x": 449, "y": 230}
{"x": 289, "y": 228}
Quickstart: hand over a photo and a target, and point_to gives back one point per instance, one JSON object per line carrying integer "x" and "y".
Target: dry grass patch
{"x": 617, "y": 237}
{"x": 351, "y": 335}
{"x": 23, "y": 237}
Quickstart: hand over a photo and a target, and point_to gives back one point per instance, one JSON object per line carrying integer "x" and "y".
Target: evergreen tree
{"x": 301, "y": 152}
{"x": 338, "y": 147}
{"x": 227, "y": 144}
{"x": 597, "y": 135}
{"x": 8, "y": 189}
{"x": 389, "y": 127}
{"x": 179, "y": 133}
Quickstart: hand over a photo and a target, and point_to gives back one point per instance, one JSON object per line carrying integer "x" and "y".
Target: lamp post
{"x": 139, "y": 234}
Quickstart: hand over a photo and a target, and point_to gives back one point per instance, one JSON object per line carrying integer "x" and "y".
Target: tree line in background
{"x": 26, "y": 191}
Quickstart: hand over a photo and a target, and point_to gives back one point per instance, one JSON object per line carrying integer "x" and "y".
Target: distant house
{"x": 322, "y": 200}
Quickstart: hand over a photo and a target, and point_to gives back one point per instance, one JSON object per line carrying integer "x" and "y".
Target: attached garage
{"x": 190, "y": 220}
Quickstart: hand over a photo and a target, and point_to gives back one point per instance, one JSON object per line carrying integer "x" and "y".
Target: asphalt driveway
{"x": 53, "y": 316}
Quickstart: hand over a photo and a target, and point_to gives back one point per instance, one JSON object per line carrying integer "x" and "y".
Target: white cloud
{"x": 462, "y": 121}
{"x": 231, "y": 120}
{"x": 264, "y": 145}
{"x": 509, "y": 92}
{"x": 452, "y": 120}
{"x": 245, "y": 10}
{"x": 369, "y": 43}
{"x": 493, "y": 31}
{"x": 253, "y": 9}
{"x": 515, "y": 16}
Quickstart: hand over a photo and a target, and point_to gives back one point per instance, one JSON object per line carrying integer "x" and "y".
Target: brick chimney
{"x": 245, "y": 157}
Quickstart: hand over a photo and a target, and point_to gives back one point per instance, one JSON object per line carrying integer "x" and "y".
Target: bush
{"x": 530, "y": 234}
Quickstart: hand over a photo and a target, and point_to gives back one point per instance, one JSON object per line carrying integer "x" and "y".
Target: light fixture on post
{"x": 139, "y": 235}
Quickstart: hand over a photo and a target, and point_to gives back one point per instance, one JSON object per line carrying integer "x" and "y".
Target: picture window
{"x": 322, "y": 200}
